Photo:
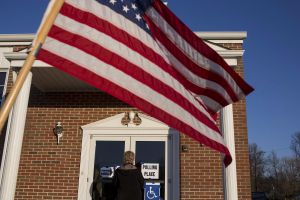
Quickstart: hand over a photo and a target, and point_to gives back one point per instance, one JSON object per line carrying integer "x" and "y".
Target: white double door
{"x": 108, "y": 151}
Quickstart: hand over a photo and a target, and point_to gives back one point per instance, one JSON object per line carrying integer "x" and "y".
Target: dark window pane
{"x": 1, "y": 94}
{"x": 107, "y": 154}
{"x": 1, "y": 90}
{"x": 153, "y": 152}
{"x": 2, "y": 78}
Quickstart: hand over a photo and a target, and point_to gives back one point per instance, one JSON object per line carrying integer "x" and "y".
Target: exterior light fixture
{"x": 131, "y": 118}
{"x": 184, "y": 148}
{"x": 136, "y": 119}
{"x": 58, "y": 131}
{"x": 126, "y": 119}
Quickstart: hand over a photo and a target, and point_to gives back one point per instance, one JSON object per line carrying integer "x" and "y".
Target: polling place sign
{"x": 150, "y": 170}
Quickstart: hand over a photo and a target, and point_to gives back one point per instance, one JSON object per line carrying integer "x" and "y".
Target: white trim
{"x": 219, "y": 35}
{"x": 4, "y": 63}
{"x": 15, "y": 55}
{"x": 16, "y": 37}
{"x": 231, "y": 53}
{"x": 17, "y": 59}
{"x": 5, "y": 49}
{"x": 37, "y": 63}
{"x": 231, "y": 61}
{"x": 5, "y": 44}
{"x": 226, "y": 41}
{"x": 85, "y": 152}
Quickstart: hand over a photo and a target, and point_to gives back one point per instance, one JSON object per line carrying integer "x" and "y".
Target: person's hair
{"x": 128, "y": 157}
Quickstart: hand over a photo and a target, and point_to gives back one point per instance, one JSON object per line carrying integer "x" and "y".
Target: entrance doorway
{"x": 104, "y": 143}
{"x": 108, "y": 155}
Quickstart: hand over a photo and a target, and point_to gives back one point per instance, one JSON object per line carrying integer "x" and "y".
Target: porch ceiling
{"x": 50, "y": 79}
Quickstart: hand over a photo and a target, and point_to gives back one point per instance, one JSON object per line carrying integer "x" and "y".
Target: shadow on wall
{"x": 95, "y": 99}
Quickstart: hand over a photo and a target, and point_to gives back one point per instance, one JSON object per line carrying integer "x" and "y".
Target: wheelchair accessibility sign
{"x": 152, "y": 191}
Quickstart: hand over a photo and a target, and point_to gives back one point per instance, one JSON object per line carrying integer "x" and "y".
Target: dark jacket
{"x": 129, "y": 183}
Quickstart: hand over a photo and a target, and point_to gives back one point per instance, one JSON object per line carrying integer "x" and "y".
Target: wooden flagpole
{"x": 39, "y": 40}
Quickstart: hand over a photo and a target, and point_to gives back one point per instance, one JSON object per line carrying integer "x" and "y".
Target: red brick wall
{"x": 200, "y": 172}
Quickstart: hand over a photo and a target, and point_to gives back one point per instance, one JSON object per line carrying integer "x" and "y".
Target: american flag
{"x": 139, "y": 52}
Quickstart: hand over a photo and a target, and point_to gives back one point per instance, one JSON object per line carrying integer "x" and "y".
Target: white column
{"x": 15, "y": 139}
{"x": 4, "y": 65}
{"x": 230, "y": 176}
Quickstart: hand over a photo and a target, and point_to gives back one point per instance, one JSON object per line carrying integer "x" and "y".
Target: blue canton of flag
{"x": 131, "y": 9}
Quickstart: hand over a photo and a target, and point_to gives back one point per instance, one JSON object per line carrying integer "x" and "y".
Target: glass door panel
{"x": 152, "y": 150}
{"x": 108, "y": 154}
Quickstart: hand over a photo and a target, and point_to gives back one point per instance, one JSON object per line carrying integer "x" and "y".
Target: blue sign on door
{"x": 152, "y": 191}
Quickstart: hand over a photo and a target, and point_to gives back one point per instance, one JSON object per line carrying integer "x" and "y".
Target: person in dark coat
{"x": 128, "y": 180}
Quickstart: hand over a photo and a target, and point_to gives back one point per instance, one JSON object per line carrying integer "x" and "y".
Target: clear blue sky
{"x": 271, "y": 57}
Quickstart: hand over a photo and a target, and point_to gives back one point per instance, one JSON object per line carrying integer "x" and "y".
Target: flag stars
{"x": 129, "y": 9}
{"x": 125, "y": 9}
{"x": 147, "y": 27}
{"x": 138, "y": 17}
{"x": 113, "y": 2}
{"x": 133, "y": 6}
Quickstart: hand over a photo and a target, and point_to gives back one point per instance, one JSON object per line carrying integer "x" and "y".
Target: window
{"x": 3, "y": 75}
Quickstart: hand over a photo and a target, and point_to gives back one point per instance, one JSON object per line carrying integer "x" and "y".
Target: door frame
{"x": 112, "y": 127}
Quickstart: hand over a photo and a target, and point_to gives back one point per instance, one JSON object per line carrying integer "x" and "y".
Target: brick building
{"x": 35, "y": 166}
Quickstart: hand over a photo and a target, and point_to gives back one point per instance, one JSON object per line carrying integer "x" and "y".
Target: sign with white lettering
{"x": 150, "y": 170}
{"x": 107, "y": 172}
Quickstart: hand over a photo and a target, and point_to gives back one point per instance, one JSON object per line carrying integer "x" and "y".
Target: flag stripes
{"x": 72, "y": 41}
{"x": 88, "y": 69}
{"x": 213, "y": 89}
{"x": 172, "y": 30}
{"x": 164, "y": 74}
{"x": 112, "y": 58}
{"x": 144, "y": 53}
{"x": 77, "y": 11}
